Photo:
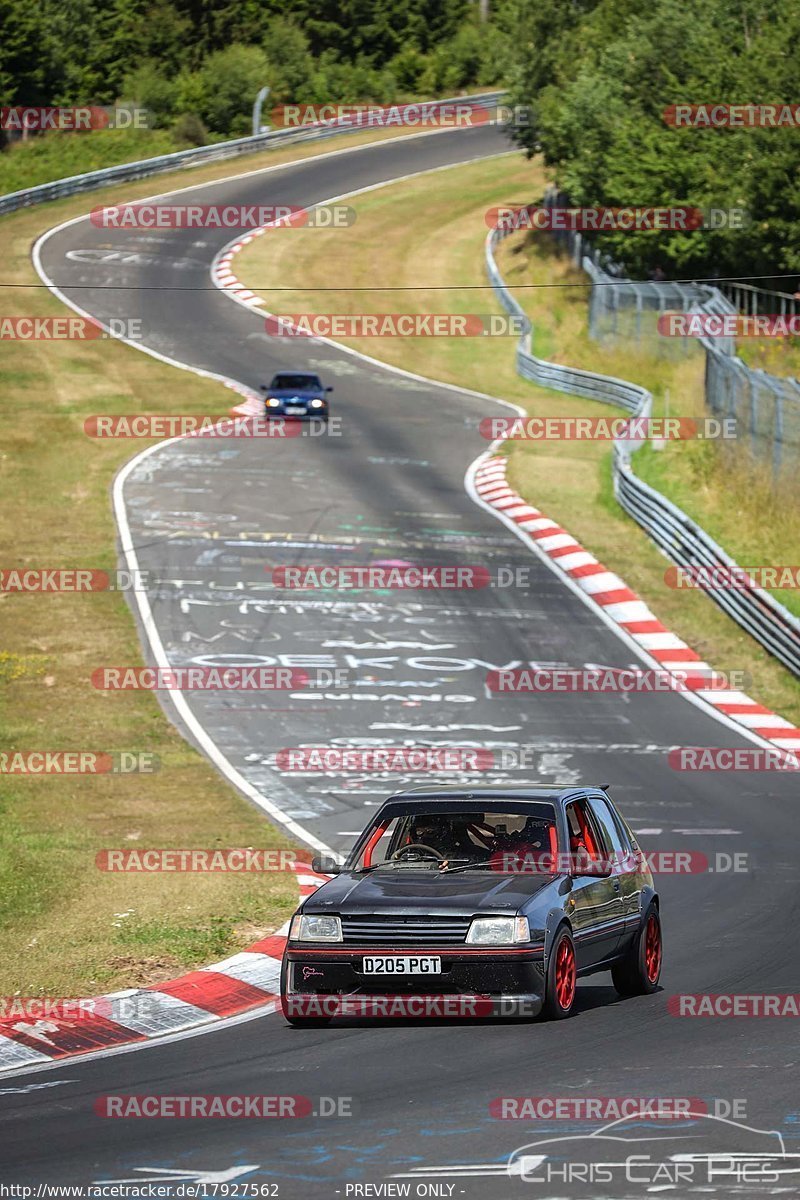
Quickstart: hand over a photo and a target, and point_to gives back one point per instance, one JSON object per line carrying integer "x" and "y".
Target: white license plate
{"x": 294, "y": 411}
{"x": 402, "y": 964}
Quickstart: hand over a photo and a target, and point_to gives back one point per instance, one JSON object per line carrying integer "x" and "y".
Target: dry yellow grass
{"x": 779, "y": 356}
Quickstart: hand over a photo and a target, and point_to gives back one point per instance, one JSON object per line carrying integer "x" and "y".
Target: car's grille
{"x": 405, "y": 931}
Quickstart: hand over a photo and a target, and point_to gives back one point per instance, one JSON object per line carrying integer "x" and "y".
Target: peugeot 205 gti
{"x": 499, "y": 899}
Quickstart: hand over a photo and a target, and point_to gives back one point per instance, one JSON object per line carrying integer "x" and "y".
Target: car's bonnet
{"x": 426, "y": 892}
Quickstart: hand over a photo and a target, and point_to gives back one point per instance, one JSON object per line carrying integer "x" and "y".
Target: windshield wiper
{"x": 467, "y": 866}
{"x": 400, "y": 863}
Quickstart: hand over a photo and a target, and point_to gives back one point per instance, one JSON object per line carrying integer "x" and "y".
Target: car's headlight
{"x": 498, "y": 931}
{"x": 317, "y": 403}
{"x": 312, "y": 928}
{"x": 273, "y": 402}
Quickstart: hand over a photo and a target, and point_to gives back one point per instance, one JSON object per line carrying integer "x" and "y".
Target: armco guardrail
{"x": 751, "y": 300}
{"x": 680, "y": 538}
{"x": 126, "y": 172}
{"x": 688, "y": 545}
{"x": 606, "y": 388}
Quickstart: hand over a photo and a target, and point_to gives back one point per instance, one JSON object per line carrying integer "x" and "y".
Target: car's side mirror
{"x": 329, "y": 389}
{"x": 262, "y": 387}
{"x": 323, "y": 864}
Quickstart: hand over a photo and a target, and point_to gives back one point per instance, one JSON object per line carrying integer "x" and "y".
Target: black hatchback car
{"x": 482, "y": 902}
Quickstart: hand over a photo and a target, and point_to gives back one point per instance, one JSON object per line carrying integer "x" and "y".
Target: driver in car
{"x": 447, "y": 837}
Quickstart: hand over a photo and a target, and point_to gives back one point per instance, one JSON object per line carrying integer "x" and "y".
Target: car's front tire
{"x": 638, "y": 973}
{"x": 561, "y": 979}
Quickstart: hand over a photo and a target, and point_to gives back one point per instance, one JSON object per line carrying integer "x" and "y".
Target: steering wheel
{"x": 419, "y": 846}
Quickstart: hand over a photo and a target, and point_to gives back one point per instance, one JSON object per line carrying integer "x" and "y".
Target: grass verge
{"x": 431, "y": 232}
{"x": 778, "y": 356}
{"x": 67, "y": 928}
{"x": 708, "y": 479}
{"x": 49, "y": 156}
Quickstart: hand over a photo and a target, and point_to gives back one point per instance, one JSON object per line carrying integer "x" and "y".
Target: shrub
{"x": 189, "y": 130}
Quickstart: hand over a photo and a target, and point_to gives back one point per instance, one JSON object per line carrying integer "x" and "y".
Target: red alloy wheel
{"x": 565, "y": 974}
{"x": 652, "y": 948}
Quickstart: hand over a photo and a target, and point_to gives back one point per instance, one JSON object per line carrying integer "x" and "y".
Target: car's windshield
{"x": 522, "y": 838}
{"x": 299, "y": 383}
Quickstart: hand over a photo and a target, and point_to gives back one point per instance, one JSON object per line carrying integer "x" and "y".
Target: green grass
{"x": 188, "y": 945}
{"x": 778, "y": 356}
{"x": 708, "y": 480}
{"x": 50, "y": 156}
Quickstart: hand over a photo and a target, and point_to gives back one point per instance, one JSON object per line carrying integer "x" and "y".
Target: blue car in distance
{"x": 295, "y": 395}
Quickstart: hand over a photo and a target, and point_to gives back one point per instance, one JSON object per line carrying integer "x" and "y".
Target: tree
{"x": 229, "y": 81}
{"x": 599, "y": 97}
{"x": 290, "y": 64}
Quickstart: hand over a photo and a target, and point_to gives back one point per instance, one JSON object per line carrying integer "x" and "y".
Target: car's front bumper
{"x": 319, "y": 414}
{"x": 478, "y": 982}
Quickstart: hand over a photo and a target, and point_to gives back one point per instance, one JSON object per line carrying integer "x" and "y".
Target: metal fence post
{"x": 777, "y": 448}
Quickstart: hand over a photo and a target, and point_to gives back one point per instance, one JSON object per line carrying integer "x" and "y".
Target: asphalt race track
{"x": 210, "y": 520}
